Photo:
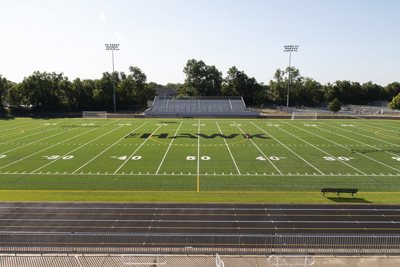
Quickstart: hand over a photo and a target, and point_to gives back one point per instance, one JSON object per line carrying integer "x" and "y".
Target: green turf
{"x": 233, "y": 159}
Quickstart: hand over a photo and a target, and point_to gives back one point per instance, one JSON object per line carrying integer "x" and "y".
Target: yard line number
{"x": 395, "y": 158}
{"x": 54, "y": 157}
{"x": 194, "y": 158}
{"x": 3, "y": 156}
{"x": 275, "y": 158}
{"x": 126, "y": 157}
{"x": 337, "y": 158}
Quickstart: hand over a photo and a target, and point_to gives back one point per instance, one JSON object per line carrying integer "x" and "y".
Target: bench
{"x": 338, "y": 191}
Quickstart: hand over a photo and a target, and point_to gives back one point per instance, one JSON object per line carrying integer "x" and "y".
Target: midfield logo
{"x": 194, "y": 136}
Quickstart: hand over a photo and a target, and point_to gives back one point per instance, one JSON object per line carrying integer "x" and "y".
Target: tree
{"x": 141, "y": 91}
{"x": 395, "y": 103}
{"x": 5, "y": 86}
{"x": 313, "y": 92}
{"x": 334, "y": 105}
{"x": 104, "y": 90}
{"x": 347, "y": 92}
{"x": 372, "y": 92}
{"x": 279, "y": 86}
{"x": 201, "y": 79}
{"x": 81, "y": 97}
{"x": 237, "y": 83}
{"x": 42, "y": 91}
{"x": 133, "y": 91}
{"x": 391, "y": 90}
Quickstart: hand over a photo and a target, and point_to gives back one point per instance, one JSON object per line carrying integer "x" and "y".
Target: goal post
{"x": 304, "y": 116}
{"x": 94, "y": 114}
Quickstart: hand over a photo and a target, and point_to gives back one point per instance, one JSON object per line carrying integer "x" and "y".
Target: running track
{"x": 199, "y": 218}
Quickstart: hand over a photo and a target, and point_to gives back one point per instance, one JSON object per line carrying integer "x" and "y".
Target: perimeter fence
{"x": 161, "y": 243}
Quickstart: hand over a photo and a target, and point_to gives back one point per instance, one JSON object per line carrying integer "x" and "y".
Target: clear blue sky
{"x": 356, "y": 40}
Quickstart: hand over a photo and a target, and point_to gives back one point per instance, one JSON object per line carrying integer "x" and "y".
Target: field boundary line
{"x": 255, "y": 145}
{"x": 53, "y": 161}
{"x": 227, "y": 146}
{"x": 38, "y": 140}
{"x": 189, "y": 192}
{"x": 358, "y": 153}
{"x": 300, "y": 157}
{"x": 56, "y": 144}
{"x": 203, "y": 174}
{"x": 323, "y": 151}
{"x": 169, "y": 147}
{"x": 137, "y": 149}
{"x": 110, "y": 146}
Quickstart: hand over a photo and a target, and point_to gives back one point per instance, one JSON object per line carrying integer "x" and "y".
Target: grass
{"x": 233, "y": 160}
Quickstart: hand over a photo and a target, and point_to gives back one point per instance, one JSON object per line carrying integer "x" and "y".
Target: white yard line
{"x": 255, "y": 145}
{"x": 19, "y": 127}
{"x": 47, "y": 147}
{"x": 25, "y": 136}
{"x": 137, "y": 149}
{"x": 297, "y": 155}
{"x": 20, "y": 131}
{"x": 370, "y": 137}
{"x": 387, "y": 126}
{"x": 394, "y": 154}
{"x": 387, "y": 131}
{"x": 198, "y": 148}
{"x": 230, "y": 153}
{"x": 105, "y": 150}
{"x": 323, "y": 151}
{"x": 365, "y": 156}
{"x": 36, "y": 140}
{"x": 85, "y": 144}
{"x": 169, "y": 146}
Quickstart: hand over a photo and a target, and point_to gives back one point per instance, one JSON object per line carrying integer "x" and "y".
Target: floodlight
{"x": 113, "y": 47}
{"x": 290, "y": 49}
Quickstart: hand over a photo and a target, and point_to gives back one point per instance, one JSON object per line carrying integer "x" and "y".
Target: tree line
{"x": 54, "y": 92}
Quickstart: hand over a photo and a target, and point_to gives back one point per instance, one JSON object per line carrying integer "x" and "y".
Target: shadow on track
{"x": 348, "y": 200}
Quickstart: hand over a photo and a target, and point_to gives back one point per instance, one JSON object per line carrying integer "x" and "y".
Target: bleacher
{"x": 199, "y": 107}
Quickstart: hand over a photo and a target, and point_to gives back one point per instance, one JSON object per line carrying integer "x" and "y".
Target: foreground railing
{"x": 333, "y": 244}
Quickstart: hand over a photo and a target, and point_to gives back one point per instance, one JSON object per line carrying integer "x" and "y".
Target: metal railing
{"x": 155, "y": 243}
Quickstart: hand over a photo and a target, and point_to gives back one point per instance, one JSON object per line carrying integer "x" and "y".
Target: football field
{"x": 199, "y": 155}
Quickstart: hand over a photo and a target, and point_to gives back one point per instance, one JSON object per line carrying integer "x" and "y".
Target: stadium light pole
{"x": 290, "y": 49}
{"x": 113, "y": 47}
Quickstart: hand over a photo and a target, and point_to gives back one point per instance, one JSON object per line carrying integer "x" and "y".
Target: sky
{"x": 356, "y": 40}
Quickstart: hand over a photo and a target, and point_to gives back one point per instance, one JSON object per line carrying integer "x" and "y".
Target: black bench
{"x": 338, "y": 191}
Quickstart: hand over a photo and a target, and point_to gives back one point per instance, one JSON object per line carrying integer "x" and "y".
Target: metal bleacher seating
{"x": 199, "y": 107}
